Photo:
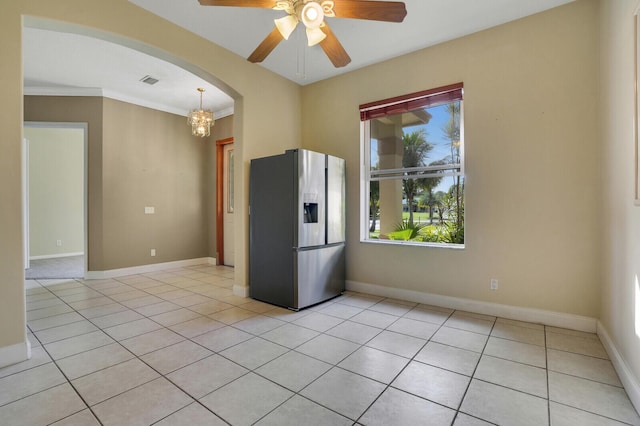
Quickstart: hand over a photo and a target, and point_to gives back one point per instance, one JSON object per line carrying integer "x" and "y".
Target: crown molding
{"x": 96, "y": 91}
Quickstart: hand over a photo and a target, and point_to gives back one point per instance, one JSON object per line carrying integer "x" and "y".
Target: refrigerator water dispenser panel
{"x": 310, "y": 212}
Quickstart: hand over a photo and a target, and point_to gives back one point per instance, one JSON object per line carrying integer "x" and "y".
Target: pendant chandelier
{"x": 200, "y": 120}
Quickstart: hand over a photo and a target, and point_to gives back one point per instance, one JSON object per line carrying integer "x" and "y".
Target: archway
{"x": 144, "y": 51}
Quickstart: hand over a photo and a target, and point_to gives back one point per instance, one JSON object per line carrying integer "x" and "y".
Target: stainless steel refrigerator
{"x": 296, "y": 228}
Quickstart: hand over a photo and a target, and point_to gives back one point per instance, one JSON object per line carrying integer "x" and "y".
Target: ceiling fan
{"x": 312, "y": 13}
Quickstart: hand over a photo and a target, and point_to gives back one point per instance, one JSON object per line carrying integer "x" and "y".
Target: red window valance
{"x": 410, "y": 102}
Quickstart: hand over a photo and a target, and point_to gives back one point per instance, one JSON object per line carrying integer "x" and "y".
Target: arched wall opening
{"x": 267, "y": 121}
{"x": 138, "y": 135}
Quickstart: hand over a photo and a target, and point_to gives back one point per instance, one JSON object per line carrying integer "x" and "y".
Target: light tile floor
{"x": 178, "y": 348}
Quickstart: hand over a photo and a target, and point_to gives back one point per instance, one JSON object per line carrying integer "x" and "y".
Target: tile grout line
{"x": 160, "y": 375}
{"x": 333, "y": 365}
{"x": 294, "y": 393}
{"x": 336, "y": 364}
{"x": 405, "y": 367}
{"x": 213, "y": 353}
{"x": 360, "y": 345}
{"x": 115, "y": 341}
{"x": 72, "y": 387}
{"x": 297, "y": 393}
{"x": 475, "y": 369}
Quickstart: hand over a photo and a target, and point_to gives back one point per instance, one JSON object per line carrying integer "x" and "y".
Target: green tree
{"x": 429, "y": 184}
{"x": 439, "y": 200}
{"x": 416, "y": 149}
{"x": 453, "y": 228}
{"x": 451, "y": 131}
{"x": 374, "y": 203}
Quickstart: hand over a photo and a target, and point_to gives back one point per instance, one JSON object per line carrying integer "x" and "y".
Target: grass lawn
{"x": 419, "y": 217}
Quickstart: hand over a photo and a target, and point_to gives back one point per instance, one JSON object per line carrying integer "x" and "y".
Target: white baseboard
{"x": 629, "y": 380}
{"x": 54, "y": 256}
{"x": 144, "y": 269}
{"x": 15, "y": 353}
{"x": 240, "y": 291}
{"x": 540, "y": 316}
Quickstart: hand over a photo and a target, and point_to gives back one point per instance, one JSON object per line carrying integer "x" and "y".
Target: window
{"x": 413, "y": 168}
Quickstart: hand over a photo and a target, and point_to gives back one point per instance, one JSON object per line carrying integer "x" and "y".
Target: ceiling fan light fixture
{"x": 315, "y": 36}
{"x": 312, "y": 15}
{"x": 286, "y": 25}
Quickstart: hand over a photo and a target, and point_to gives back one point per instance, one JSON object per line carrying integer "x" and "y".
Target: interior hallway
{"x": 56, "y": 267}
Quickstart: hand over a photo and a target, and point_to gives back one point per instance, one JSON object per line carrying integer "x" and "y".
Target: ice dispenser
{"x": 310, "y": 212}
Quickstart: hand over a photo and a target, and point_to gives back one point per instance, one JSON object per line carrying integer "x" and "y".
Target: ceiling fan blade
{"x": 333, "y": 48}
{"x": 266, "y": 4}
{"x": 267, "y": 45}
{"x": 389, "y": 11}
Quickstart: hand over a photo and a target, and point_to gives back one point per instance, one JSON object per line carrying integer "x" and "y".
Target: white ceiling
{"x": 68, "y": 63}
{"x": 428, "y": 22}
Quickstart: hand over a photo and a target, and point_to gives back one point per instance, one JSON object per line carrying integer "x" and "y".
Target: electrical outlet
{"x": 149, "y": 210}
{"x": 59, "y": 243}
{"x": 494, "y": 284}
{"x": 153, "y": 252}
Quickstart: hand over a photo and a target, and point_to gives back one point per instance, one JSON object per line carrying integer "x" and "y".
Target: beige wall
{"x": 531, "y": 146}
{"x": 56, "y": 190}
{"x": 12, "y": 304}
{"x": 160, "y": 163}
{"x": 620, "y": 294}
{"x": 150, "y": 159}
{"x": 267, "y": 120}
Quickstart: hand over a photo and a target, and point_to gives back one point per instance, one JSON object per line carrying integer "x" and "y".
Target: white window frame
{"x": 366, "y": 176}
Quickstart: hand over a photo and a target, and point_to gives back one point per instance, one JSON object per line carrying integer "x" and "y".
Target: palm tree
{"x": 439, "y": 198}
{"x": 416, "y": 149}
{"x": 452, "y": 132}
{"x": 429, "y": 184}
{"x": 374, "y": 198}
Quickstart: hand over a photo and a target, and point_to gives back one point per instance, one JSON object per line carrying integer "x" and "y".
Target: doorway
{"x": 225, "y": 202}
{"x": 54, "y": 184}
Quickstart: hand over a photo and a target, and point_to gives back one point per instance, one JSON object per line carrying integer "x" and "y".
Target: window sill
{"x": 415, "y": 244}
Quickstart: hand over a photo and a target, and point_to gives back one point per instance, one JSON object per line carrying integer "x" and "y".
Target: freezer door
{"x": 311, "y": 199}
{"x": 319, "y": 274}
{"x": 336, "y": 216}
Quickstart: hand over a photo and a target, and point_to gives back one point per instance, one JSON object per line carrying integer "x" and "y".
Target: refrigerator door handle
{"x": 300, "y": 249}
